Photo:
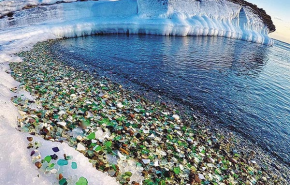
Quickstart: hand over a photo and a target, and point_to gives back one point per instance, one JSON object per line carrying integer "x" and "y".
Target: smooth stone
{"x": 156, "y": 163}
{"x": 120, "y": 105}
{"x": 54, "y": 157}
{"x": 91, "y": 136}
{"x": 81, "y": 147}
{"x": 38, "y": 164}
{"x": 55, "y": 149}
{"x": 62, "y": 181}
{"x": 30, "y": 139}
{"x": 62, "y": 162}
{"x": 111, "y": 173}
{"x": 73, "y": 96}
{"x": 82, "y": 181}
{"x": 74, "y": 165}
{"x": 53, "y": 171}
{"x": 47, "y": 158}
{"x": 61, "y": 112}
{"x": 79, "y": 138}
{"x": 176, "y": 117}
{"x": 62, "y": 123}
{"x": 201, "y": 176}
{"x": 146, "y": 161}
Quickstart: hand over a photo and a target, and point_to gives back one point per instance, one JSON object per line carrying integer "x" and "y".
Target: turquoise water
{"x": 241, "y": 85}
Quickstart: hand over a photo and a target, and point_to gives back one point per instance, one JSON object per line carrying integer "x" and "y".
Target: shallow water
{"x": 244, "y": 86}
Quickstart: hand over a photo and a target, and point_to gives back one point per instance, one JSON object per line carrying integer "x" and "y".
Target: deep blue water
{"x": 242, "y": 85}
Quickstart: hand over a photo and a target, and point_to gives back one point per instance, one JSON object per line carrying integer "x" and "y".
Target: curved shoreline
{"x": 224, "y": 141}
{"x": 13, "y": 40}
{"x": 186, "y": 108}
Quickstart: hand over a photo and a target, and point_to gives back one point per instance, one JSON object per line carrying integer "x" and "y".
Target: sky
{"x": 279, "y": 10}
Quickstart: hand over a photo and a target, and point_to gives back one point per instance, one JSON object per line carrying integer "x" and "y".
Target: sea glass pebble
{"x": 62, "y": 162}
{"x": 74, "y": 165}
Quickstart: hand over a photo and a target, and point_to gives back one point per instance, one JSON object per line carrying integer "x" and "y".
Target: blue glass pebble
{"x": 62, "y": 162}
{"x": 55, "y": 149}
{"x": 74, "y": 165}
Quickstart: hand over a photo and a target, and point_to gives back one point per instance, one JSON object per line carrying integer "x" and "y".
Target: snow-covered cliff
{"x": 162, "y": 17}
{"x": 209, "y": 17}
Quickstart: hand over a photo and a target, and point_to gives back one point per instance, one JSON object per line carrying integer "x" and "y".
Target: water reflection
{"x": 237, "y": 83}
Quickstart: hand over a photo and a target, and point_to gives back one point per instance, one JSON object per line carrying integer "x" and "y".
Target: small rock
{"x": 264, "y": 179}
{"x": 201, "y": 176}
{"x": 276, "y": 166}
{"x": 176, "y": 117}
{"x": 53, "y": 171}
{"x": 197, "y": 179}
{"x": 73, "y": 96}
{"x": 60, "y": 176}
{"x": 146, "y": 161}
{"x": 54, "y": 157}
{"x": 55, "y": 149}
{"x": 79, "y": 138}
{"x": 132, "y": 116}
{"x": 111, "y": 173}
{"x": 74, "y": 165}
{"x": 62, "y": 162}
{"x": 254, "y": 162}
{"x": 31, "y": 120}
{"x": 81, "y": 147}
{"x": 30, "y": 139}
{"x": 233, "y": 160}
{"x": 120, "y": 105}
{"x": 62, "y": 123}
{"x": 38, "y": 164}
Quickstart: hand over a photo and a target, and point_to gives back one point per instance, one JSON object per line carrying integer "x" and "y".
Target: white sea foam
{"x": 29, "y": 26}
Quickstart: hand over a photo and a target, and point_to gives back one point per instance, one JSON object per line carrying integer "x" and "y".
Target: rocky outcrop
{"x": 258, "y": 11}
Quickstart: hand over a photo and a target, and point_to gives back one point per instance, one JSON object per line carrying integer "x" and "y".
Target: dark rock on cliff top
{"x": 259, "y": 11}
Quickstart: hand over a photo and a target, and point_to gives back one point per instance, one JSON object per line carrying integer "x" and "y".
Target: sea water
{"x": 241, "y": 85}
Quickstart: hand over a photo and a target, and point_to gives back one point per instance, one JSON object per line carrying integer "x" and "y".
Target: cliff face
{"x": 212, "y": 17}
{"x": 160, "y": 17}
{"x": 7, "y": 7}
{"x": 211, "y": 8}
{"x": 259, "y": 11}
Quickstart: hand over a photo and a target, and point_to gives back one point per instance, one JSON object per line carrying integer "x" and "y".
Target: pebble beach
{"x": 125, "y": 135}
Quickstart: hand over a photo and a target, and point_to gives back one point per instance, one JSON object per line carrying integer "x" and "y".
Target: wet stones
{"x": 101, "y": 119}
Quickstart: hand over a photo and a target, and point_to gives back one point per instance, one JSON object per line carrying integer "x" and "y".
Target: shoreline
{"x": 231, "y": 160}
{"x": 154, "y": 95}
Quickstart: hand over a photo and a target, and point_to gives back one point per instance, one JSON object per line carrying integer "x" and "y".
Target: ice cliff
{"x": 207, "y": 17}
{"x": 161, "y": 17}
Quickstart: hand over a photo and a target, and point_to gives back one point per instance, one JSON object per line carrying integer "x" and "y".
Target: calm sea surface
{"x": 244, "y": 86}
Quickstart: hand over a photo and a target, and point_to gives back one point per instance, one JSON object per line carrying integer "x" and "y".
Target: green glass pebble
{"x": 62, "y": 181}
{"x": 97, "y": 148}
{"x": 90, "y": 153}
{"x": 74, "y": 165}
{"x": 69, "y": 157}
{"x": 128, "y": 174}
{"x": 47, "y": 158}
{"x": 82, "y": 181}
{"x": 176, "y": 170}
{"x": 62, "y": 162}
{"x": 108, "y": 143}
{"x": 92, "y": 136}
{"x": 50, "y": 167}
